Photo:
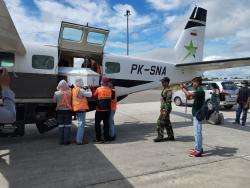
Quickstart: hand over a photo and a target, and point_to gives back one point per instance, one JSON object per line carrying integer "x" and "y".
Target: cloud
{"x": 117, "y": 20}
{"x": 227, "y": 31}
{"x": 169, "y": 20}
{"x": 121, "y": 45}
{"x": 168, "y": 4}
{"x": 45, "y": 26}
{"x": 227, "y": 21}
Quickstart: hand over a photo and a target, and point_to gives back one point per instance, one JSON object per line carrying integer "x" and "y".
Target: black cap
{"x": 197, "y": 79}
{"x": 165, "y": 79}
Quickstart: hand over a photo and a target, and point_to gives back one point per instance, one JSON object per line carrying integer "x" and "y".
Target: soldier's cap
{"x": 165, "y": 79}
{"x": 245, "y": 82}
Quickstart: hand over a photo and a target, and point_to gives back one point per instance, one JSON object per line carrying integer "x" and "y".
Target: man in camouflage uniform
{"x": 164, "y": 118}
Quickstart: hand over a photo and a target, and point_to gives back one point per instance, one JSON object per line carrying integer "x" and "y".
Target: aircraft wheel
{"x": 178, "y": 101}
{"x": 20, "y": 128}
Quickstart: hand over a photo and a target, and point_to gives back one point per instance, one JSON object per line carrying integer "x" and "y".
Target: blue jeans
{"x": 81, "y": 116}
{"x": 112, "y": 132}
{"x": 239, "y": 110}
{"x": 197, "y": 134}
{"x": 64, "y": 134}
{"x": 216, "y": 107}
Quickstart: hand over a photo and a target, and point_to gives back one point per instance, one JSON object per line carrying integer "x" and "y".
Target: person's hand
{"x": 163, "y": 112}
{"x": 246, "y": 106}
{"x": 182, "y": 85}
{"x": 4, "y": 78}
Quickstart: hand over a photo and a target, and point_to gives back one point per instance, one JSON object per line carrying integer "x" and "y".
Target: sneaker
{"x": 66, "y": 143}
{"x": 169, "y": 139}
{"x": 192, "y": 150}
{"x": 112, "y": 138}
{"x": 106, "y": 142}
{"x": 98, "y": 141}
{"x": 195, "y": 154}
{"x": 243, "y": 124}
{"x": 158, "y": 139}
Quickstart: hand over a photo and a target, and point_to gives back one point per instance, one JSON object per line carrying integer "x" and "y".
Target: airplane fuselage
{"x": 34, "y": 84}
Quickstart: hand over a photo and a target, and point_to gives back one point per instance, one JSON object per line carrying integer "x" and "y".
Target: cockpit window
{"x": 96, "y": 38}
{"x": 72, "y": 34}
{"x": 7, "y": 59}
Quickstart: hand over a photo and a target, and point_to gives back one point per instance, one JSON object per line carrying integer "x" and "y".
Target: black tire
{"x": 177, "y": 101}
{"x": 20, "y": 128}
{"x": 228, "y": 107}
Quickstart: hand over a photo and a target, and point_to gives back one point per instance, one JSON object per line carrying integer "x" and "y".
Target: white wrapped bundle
{"x": 89, "y": 77}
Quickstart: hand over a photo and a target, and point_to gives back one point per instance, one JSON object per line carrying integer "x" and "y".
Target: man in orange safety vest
{"x": 103, "y": 95}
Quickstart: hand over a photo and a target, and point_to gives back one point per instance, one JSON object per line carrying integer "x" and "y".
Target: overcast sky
{"x": 154, "y": 24}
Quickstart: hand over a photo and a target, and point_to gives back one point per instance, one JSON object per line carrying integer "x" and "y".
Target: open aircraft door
{"x": 80, "y": 40}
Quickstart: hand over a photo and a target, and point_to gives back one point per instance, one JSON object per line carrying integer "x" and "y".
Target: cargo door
{"x": 81, "y": 39}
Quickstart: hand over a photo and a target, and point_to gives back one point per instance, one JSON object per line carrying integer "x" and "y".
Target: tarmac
{"x": 133, "y": 160}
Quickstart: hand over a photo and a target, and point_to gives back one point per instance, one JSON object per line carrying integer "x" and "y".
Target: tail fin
{"x": 189, "y": 47}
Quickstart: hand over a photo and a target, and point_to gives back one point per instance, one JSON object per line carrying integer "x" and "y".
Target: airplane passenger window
{"x": 112, "y": 67}
{"x": 72, "y": 34}
{"x": 7, "y": 59}
{"x": 42, "y": 62}
{"x": 96, "y": 38}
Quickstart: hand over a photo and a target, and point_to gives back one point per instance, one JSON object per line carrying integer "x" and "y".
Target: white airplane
{"x": 37, "y": 69}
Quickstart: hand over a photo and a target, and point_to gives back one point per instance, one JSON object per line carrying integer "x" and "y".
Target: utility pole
{"x": 127, "y": 14}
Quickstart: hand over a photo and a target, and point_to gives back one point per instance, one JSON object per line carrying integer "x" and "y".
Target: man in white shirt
{"x": 8, "y": 109}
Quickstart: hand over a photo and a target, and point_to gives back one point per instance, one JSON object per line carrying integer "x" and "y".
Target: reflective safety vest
{"x": 65, "y": 101}
{"x": 77, "y": 102}
{"x": 104, "y": 98}
{"x": 114, "y": 101}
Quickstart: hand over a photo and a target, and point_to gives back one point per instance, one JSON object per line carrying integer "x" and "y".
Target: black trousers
{"x": 99, "y": 117}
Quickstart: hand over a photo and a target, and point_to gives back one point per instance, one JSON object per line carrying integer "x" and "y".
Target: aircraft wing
{"x": 9, "y": 38}
{"x": 216, "y": 64}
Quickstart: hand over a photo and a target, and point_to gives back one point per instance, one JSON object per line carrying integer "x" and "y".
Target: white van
{"x": 228, "y": 92}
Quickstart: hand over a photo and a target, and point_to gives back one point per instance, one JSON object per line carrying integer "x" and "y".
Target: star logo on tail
{"x": 191, "y": 50}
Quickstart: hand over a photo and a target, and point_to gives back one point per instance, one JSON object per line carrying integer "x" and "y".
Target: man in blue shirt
{"x": 243, "y": 101}
{"x": 8, "y": 109}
